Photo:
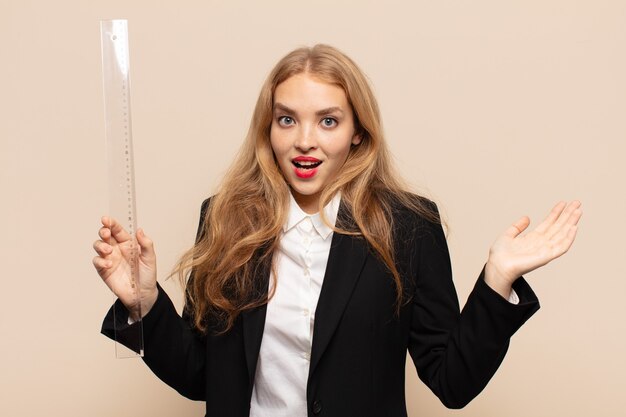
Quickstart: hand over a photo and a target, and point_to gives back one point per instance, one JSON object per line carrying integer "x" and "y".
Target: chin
{"x": 305, "y": 191}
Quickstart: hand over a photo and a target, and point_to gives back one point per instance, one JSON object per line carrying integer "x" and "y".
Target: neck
{"x": 308, "y": 203}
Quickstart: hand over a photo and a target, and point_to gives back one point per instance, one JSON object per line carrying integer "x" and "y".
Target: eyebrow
{"x": 282, "y": 107}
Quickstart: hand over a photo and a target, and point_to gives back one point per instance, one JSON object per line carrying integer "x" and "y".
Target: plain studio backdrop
{"x": 495, "y": 109}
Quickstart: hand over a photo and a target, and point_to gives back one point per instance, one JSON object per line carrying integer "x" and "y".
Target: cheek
{"x": 338, "y": 148}
{"x": 278, "y": 141}
{"x": 280, "y": 150}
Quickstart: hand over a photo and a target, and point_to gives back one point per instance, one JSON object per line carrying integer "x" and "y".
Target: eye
{"x": 329, "y": 122}
{"x": 285, "y": 121}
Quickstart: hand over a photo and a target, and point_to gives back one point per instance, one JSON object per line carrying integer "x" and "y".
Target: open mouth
{"x": 306, "y": 164}
{"x": 305, "y": 167}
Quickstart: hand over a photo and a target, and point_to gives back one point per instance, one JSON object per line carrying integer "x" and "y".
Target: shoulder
{"x": 415, "y": 223}
{"x": 409, "y": 209}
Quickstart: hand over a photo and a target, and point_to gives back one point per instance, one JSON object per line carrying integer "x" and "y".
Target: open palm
{"x": 514, "y": 254}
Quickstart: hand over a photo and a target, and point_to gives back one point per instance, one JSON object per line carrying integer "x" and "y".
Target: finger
{"x": 569, "y": 210}
{"x": 101, "y": 264}
{"x": 551, "y": 217}
{"x": 104, "y": 233}
{"x": 518, "y": 227}
{"x": 146, "y": 244}
{"x": 575, "y": 216}
{"x": 117, "y": 231}
{"x": 571, "y": 235}
{"x": 566, "y": 240}
{"x": 102, "y": 248}
{"x": 569, "y": 216}
{"x": 571, "y": 222}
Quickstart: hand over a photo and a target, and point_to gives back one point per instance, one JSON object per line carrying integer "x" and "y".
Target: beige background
{"x": 496, "y": 108}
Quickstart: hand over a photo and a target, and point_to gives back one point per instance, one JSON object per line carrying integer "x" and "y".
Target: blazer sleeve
{"x": 174, "y": 350}
{"x": 456, "y": 353}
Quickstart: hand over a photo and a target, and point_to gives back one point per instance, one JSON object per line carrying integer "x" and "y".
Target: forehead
{"x": 305, "y": 92}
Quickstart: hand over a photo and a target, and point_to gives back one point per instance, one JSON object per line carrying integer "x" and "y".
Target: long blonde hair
{"x": 243, "y": 222}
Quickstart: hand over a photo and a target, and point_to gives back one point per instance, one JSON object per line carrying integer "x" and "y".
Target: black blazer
{"x": 360, "y": 344}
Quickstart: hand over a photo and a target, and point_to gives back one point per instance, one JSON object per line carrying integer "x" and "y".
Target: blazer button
{"x": 317, "y": 407}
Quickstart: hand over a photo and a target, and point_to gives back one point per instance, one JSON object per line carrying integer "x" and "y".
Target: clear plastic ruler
{"x": 119, "y": 154}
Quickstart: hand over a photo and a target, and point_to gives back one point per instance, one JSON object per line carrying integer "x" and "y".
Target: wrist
{"x": 148, "y": 300}
{"x": 498, "y": 280}
{"x": 141, "y": 309}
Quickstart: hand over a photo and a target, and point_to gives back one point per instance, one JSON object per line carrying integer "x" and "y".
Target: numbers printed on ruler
{"x": 133, "y": 248}
{"x": 116, "y": 70}
{"x": 121, "y": 180}
{"x": 124, "y": 66}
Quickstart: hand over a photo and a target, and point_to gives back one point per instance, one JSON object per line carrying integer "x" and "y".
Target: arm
{"x": 456, "y": 354}
{"x": 174, "y": 351}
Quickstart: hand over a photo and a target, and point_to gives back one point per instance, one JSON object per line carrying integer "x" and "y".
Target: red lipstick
{"x": 305, "y": 166}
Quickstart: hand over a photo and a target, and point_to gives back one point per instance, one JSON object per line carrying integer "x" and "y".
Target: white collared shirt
{"x": 282, "y": 369}
{"x": 283, "y": 365}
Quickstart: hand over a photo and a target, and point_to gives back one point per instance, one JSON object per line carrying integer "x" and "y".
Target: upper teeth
{"x": 306, "y": 163}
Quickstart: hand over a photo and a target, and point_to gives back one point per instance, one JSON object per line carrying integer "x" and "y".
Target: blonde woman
{"x": 315, "y": 271}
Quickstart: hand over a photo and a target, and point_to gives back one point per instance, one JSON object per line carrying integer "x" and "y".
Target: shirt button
{"x": 305, "y": 312}
{"x": 307, "y": 241}
{"x": 307, "y": 356}
{"x": 317, "y": 407}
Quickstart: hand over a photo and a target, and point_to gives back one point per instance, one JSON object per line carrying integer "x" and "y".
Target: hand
{"x": 113, "y": 264}
{"x": 513, "y": 254}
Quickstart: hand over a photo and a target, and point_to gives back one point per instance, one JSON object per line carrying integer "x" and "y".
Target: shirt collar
{"x": 296, "y": 215}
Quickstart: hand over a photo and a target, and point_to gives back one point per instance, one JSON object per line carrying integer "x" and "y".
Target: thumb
{"x": 146, "y": 245}
{"x": 518, "y": 227}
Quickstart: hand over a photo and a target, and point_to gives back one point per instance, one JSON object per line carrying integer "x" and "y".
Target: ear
{"x": 357, "y": 138}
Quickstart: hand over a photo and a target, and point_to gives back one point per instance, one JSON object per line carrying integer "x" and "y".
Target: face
{"x": 311, "y": 135}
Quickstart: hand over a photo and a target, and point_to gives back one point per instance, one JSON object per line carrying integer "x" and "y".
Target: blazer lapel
{"x": 254, "y": 323}
{"x": 253, "y": 326}
{"x": 345, "y": 263}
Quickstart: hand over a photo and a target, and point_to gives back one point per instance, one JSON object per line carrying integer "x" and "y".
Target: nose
{"x": 306, "y": 139}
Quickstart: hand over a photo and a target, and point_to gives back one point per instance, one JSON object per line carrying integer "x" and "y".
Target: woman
{"x": 315, "y": 271}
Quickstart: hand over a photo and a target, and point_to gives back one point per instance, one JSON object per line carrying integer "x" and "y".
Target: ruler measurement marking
{"x": 115, "y": 60}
